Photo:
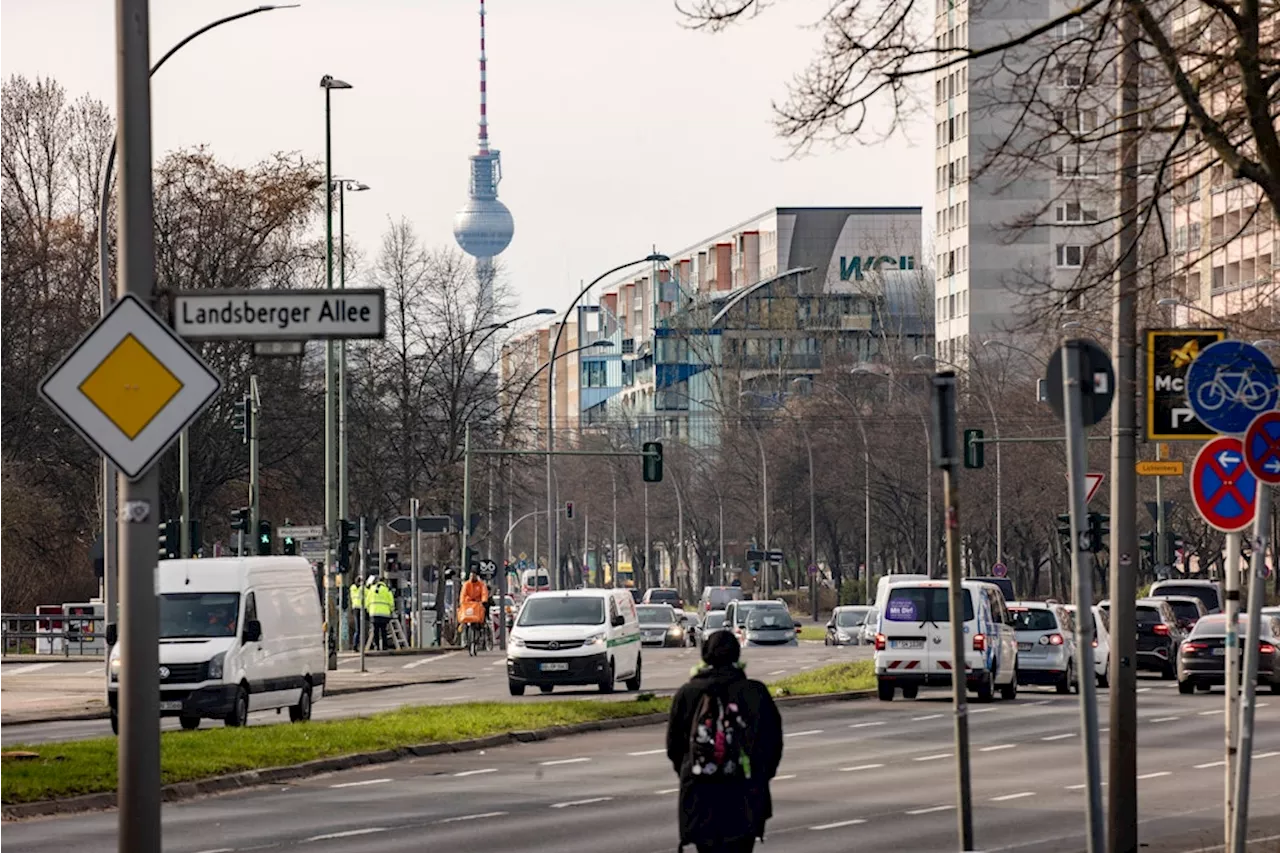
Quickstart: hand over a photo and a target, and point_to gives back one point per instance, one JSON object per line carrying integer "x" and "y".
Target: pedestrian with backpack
{"x": 724, "y": 739}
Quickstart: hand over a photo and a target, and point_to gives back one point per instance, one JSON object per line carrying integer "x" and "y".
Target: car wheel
{"x": 189, "y": 723}
{"x": 1009, "y": 692}
{"x": 910, "y": 691}
{"x": 1104, "y": 680}
{"x": 1168, "y": 672}
{"x": 633, "y": 683}
{"x": 239, "y": 714}
{"x": 606, "y": 685}
{"x": 985, "y": 689}
{"x": 516, "y": 687}
{"x": 1186, "y": 688}
{"x": 115, "y": 722}
{"x": 546, "y": 688}
{"x": 1204, "y": 688}
{"x": 884, "y": 689}
{"x": 301, "y": 712}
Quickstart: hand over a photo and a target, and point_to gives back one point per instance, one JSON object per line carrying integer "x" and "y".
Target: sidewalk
{"x": 43, "y": 699}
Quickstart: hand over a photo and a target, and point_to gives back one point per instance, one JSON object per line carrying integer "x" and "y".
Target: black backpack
{"x": 718, "y": 740}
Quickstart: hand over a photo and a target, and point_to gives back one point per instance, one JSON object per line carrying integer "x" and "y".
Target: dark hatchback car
{"x": 660, "y": 625}
{"x": 1188, "y": 608}
{"x": 664, "y": 595}
{"x": 1158, "y": 636}
{"x": 1202, "y": 660}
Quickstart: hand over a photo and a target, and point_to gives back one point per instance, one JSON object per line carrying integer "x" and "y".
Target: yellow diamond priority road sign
{"x": 130, "y": 386}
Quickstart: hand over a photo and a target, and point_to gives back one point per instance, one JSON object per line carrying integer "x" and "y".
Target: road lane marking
{"x": 431, "y": 659}
{"x": 219, "y": 850}
{"x": 475, "y": 772}
{"x": 1042, "y": 702}
{"x": 98, "y": 669}
{"x": 586, "y": 802}
{"x": 804, "y": 733}
{"x": 1163, "y": 719}
{"x": 1156, "y": 774}
{"x": 998, "y": 747}
{"x": 563, "y": 761}
{"x": 981, "y": 710}
{"x": 350, "y": 833}
{"x": 837, "y": 824}
{"x": 1059, "y": 737}
{"x": 864, "y": 725}
{"x": 1081, "y": 786}
{"x": 1143, "y": 690}
{"x": 930, "y": 810}
{"x": 860, "y": 767}
{"x": 1210, "y": 713}
{"x": 925, "y": 717}
{"x": 665, "y": 791}
{"x": 780, "y": 778}
{"x": 358, "y": 784}
{"x": 1266, "y": 755}
{"x": 932, "y": 757}
{"x": 1210, "y": 764}
{"x": 778, "y": 672}
{"x": 646, "y": 752}
{"x": 1017, "y": 796}
{"x": 497, "y": 663}
{"x": 33, "y": 667}
{"x": 463, "y": 817}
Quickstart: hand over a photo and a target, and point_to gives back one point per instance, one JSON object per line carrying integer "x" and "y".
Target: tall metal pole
{"x": 930, "y": 557}
{"x": 330, "y": 413}
{"x": 1081, "y": 551}
{"x": 1232, "y": 686}
{"x": 613, "y": 546}
{"x": 138, "y": 762}
{"x": 999, "y": 490}
{"x": 343, "y": 462}
{"x": 1122, "y": 765}
{"x": 184, "y": 494}
{"x": 1257, "y": 598}
{"x": 364, "y": 608}
{"x": 415, "y": 566}
{"x": 646, "y": 538}
{"x": 1163, "y": 558}
{"x": 866, "y": 517}
{"x": 720, "y": 561}
{"x": 251, "y": 424}
{"x": 813, "y": 527}
{"x": 675, "y": 564}
{"x": 553, "y": 564}
{"x": 464, "y": 535}
{"x": 944, "y": 417}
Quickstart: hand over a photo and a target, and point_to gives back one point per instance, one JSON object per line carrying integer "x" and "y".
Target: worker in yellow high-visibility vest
{"x": 356, "y": 595}
{"x": 379, "y": 602}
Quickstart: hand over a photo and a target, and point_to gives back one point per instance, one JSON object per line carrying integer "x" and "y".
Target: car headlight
{"x": 215, "y": 665}
{"x": 841, "y": 635}
{"x": 594, "y": 640}
{"x": 115, "y": 668}
{"x": 517, "y": 642}
{"x": 675, "y": 630}
{"x": 789, "y": 635}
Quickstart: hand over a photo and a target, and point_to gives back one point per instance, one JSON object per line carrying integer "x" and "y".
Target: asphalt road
{"x": 855, "y": 776}
{"x": 478, "y": 679}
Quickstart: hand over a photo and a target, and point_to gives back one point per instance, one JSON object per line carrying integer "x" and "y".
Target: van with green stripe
{"x": 575, "y": 637}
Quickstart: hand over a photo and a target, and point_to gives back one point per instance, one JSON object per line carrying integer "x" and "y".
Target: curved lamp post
{"x": 104, "y": 281}
{"x": 553, "y": 547}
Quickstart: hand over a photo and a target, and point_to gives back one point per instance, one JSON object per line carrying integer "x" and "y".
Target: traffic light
{"x": 264, "y": 538}
{"x": 346, "y": 539}
{"x": 240, "y": 519}
{"x": 391, "y": 561}
{"x": 1147, "y": 543}
{"x": 1099, "y": 530}
{"x": 653, "y": 461}
{"x": 240, "y": 418}
{"x": 568, "y": 509}
{"x": 974, "y": 454}
{"x": 169, "y": 541}
{"x": 290, "y": 547}
{"x": 1064, "y": 525}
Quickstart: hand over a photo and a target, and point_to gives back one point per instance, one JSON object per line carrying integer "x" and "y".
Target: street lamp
{"x": 343, "y": 184}
{"x": 552, "y": 520}
{"x": 109, "y": 531}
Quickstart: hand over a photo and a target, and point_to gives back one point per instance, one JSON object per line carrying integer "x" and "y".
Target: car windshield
{"x": 715, "y": 619}
{"x": 563, "y": 610}
{"x": 650, "y": 613}
{"x": 1185, "y": 609}
{"x": 663, "y": 595}
{"x": 1148, "y": 616}
{"x": 198, "y": 614}
{"x": 766, "y": 618}
{"x": 851, "y": 618}
{"x": 1206, "y": 594}
{"x": 1033, "y": 619}
{"x": 923, "y": 604}
{"x": 1216, "y": 626}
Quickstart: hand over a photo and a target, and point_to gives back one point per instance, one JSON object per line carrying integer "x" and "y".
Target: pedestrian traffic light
{"x": 973, "y": 449}
{"x": 240, "y": 519}
{"x": 264, "y": 538}
{"x": 290, "y": 547}
{"x": 568, "y": 509}
{"x": 346, "y": 538}
{"x": 240, "y": 418}
{"x": 169, "y": 539}
{"x": 1099, "y": 529}
{"x": 1147, "y": 542}
{"x": 391, "y": 561}
{"x": 653, "y": 461}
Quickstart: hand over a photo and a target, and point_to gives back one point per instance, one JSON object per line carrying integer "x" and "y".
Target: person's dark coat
{"x": 725, "y": 810}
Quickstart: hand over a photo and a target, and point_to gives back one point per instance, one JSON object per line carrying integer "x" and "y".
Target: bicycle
{"x": 472, "y": 637}
{"x": 1248, "y": 391}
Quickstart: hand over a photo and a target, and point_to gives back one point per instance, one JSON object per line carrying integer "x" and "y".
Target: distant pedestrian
{"x": 379, "y": 602}
{"x": 356, "y": 595}
{"x": 724, "y": 739}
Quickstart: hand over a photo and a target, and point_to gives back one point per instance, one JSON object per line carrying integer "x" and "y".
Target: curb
{"x": 272, "y": 775}
{"x": 34, "y": 658}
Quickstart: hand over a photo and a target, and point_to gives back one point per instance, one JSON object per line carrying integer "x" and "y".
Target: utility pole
{"x": 646, "y": 538}
{"x": 364, "y": 605}
{"x": 138, "y": 761}
{"x": 251, "y": 424}
{"x": 415, "y": 566}
{"x": 1257, "y": 598}
{"x": 613, "y": 547}
{"x": 184, "y": 495}
{"x": 1232, "y": 686}
{"x": 1122, "y": 766}
{"x": 944, "y": 416}
{"x": 1162, "y": 555}
{"x": 464, "y": 535}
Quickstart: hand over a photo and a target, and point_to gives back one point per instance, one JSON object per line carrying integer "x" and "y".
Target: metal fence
{"x": 52, "y": 634}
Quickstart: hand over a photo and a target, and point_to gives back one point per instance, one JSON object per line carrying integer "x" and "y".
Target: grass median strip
{"x": 70, "y": 768}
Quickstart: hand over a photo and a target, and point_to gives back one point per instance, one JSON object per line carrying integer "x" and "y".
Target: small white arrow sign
{"x": 1181, "y": 414}
{"x": 1273, "y": 466}
{"x": 1226, "y": 458}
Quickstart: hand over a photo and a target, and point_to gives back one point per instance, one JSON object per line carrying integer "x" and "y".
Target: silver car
{"x": 845, "y": 627}
{"x": 660, "y": 625}
{"x": 1046, "y": 645}
{"x": 770, "y": 626}
{"x": 871, "y": 627}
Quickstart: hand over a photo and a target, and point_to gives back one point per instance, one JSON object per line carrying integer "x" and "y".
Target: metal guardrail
{"x": 52, "y": 634}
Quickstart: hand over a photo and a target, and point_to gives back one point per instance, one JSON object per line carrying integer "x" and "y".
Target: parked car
{"x": 1046, "y": 645}
{"x": 1210, "y": 592}
{"x": 1188, "y": 609}
{"x": 660, "y": 625}
{"x": 718, "y": 597}
{"x": 1202, "y": 657}
{"x": 845, "y": 625}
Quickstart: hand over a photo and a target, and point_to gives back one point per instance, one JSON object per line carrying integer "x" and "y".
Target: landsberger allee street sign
{"x": 279, "y": 315}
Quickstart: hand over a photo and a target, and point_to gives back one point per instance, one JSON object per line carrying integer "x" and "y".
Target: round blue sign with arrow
{"x": 1222, "y": 486}
{"x": 1229, "y": 384}
{"x": 1262, "y": 447}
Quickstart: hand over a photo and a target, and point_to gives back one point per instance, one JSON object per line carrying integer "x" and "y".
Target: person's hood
{"x": 703, "y": 672}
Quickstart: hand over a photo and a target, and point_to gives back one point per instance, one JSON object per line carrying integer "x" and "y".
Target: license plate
{"x": 170, "y": 706}
{"x": 1220, "y": 653}
{"x": 1024, "y": 647}
{"x": 554, "y": 666}
{"x": 906, "y": 644}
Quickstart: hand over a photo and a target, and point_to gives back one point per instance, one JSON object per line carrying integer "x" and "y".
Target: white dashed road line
{"x": 360, "y": 783}
{"x": 925, "y": 717}
{"x": 932, "y": 757}
{"x": 587, "y": 802}
{"x": 1267, "y": 755}
{"x": 1143, "y": 690}
{"x": 778, "y": 672}
{"x": 475, "y": 772}
{"x": 782, "y": 778}
{"x": 1017, "y": 796}
{"x": 34, "y": 667}
{"x": 998, "y": 747}
{"x": 930, "y": 810}
{"x": 431, "y": 659}
{"x": 804, "y": 733}
{"x": 1210, "y": 764}
{"x": 1156, "y": 774}
{"x": 350, "y": 833}
{"x": 864, "y": 725}
{"x": 463, "y": 817}
{"x": 837, "y": 824}
{"x": 563, "y": 761}
{"x": 1210, "y": 713}
{"x": 219, "y": 850}
{"x": 860, "y": 767}
{"x": 647, "y": 752}
{"x": 666, "y": 791}
{"x": 1163, "y": 719}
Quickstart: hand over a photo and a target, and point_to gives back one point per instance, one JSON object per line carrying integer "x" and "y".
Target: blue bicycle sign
{"x": 1229, "y": 384}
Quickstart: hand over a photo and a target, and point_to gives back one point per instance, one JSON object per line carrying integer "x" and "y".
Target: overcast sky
{"x": 619, "y": 129}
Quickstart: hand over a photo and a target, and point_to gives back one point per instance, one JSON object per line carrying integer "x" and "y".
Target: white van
{"x": 913, "y": 645}
{"x": 534, "y": 580}
{"x": 578, "y": 636}
{"x": 882, "y": 586}
{"x": 237, "y": 634}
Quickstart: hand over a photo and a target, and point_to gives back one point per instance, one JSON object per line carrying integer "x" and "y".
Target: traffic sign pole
{"x": 1232, "y": 686}
{"x": 415, "y": 566}
{"x": 1257, "y": 598}
{"x": 138, "y": 762}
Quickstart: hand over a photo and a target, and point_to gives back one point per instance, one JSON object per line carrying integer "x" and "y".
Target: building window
{"x": 1070, "y": 76}
{"x": 1069, "y": 29}
{"x": 1074, "y": 212}
{"x": 1070, "y": 256}
{"x": 1073, "y": 166}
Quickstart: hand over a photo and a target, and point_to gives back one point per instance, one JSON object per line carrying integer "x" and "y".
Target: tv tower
{"x": 484, "y": 227}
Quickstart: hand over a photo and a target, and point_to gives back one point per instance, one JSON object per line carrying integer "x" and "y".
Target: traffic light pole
{"x": 251, "y": 424}
{"x": 415, "y": 595}
{"x": 364, "y": 604}
{"x": 184, "y": 490}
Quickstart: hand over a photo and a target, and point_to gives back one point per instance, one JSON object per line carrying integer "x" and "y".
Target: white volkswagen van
{"x": 913, "y": 645}
{"x": 237, "y": 634}
{"x": 578, "y": 636}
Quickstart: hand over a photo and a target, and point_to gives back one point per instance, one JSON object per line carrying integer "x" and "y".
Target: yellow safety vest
{"x": 357, "y": 596}
{"x": 380, "y": 601}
